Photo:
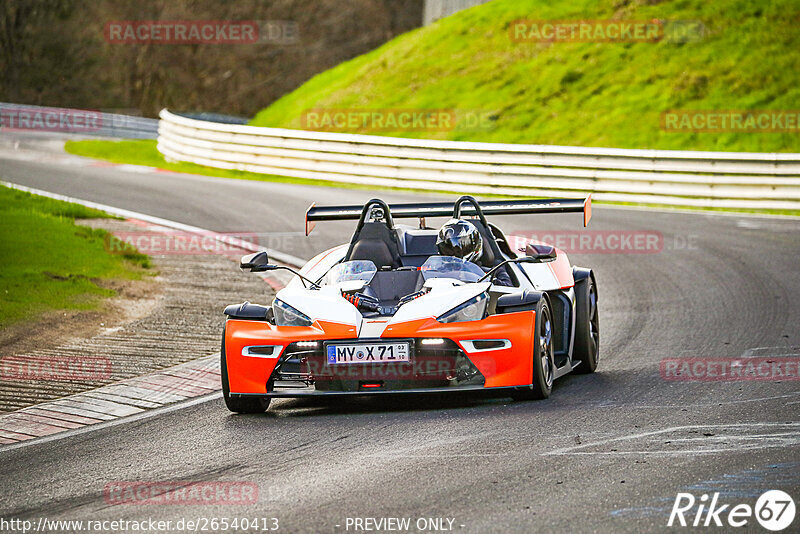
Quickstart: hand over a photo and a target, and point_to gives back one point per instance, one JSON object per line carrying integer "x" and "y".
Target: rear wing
{"x": 443, "y": 209}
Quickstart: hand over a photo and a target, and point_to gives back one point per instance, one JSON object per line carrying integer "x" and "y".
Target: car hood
{"x": 328, "y": 305}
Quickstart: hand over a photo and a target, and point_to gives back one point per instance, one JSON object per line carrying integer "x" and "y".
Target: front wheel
{"x": 544, "y": 367}
{"x": 238, "y": 404}
{"x": 587, "y": 327}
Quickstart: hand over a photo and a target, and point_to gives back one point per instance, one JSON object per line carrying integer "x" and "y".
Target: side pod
{"x": 580, "y": 274}
{"x": 519, "y": 302}
{"x": 245, "y": 310}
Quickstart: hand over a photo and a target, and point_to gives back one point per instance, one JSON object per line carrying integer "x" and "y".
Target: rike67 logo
{"x": 774, "y": 510}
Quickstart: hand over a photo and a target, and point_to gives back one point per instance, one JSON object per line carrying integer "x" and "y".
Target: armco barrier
{"x": 92, "y": 123}
{"x": 666, "y": 177}
{"x": 89, "y": 122}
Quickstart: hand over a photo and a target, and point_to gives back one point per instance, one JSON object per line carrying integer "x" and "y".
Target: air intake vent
{"x": 488, "y": 344}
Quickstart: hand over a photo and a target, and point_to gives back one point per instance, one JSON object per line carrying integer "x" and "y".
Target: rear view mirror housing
{"x": 539, "y": 253}
{"x": 256, "y": 262}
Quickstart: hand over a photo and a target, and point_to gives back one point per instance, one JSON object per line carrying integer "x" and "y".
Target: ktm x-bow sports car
{"x": 387, "y": 314}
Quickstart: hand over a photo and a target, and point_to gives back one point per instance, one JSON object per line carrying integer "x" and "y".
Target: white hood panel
{"x": 440, "y": 300}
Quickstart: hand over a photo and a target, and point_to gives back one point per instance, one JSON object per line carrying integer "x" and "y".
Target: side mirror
{"x": 539, "y": 253}
{"x": 256, "y": 262}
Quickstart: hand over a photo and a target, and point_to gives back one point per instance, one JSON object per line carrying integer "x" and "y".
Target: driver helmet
{"x": 461, "y": 239}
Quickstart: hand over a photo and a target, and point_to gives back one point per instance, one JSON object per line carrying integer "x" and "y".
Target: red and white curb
{"x": 174, "y": 386}
{"x": 182, "y": 382}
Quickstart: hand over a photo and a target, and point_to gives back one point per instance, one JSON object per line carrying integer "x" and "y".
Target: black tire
{"x": 587, "y": 326}
{"x": 544, "y": 367}
{"x": 238, "y": 404}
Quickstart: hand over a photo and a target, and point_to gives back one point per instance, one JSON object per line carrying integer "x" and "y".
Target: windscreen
{"x": 350, "y": 270}
{"x": 451, "y": 267}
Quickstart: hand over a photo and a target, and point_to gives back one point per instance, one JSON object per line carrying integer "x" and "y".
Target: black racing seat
{"x": 391, "y": 286}
{"x": 376, "y": 243}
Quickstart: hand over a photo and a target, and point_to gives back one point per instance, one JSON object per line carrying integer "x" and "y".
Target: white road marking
{"x": 764, "y": 352}
{"x": 693, "y": 405}
{"x": 788, "y": 435}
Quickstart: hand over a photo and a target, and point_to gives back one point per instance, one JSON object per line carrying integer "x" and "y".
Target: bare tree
{"x": 54, "y": 52}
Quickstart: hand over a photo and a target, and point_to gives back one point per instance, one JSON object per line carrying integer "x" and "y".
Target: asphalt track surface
{"x": 606, "y": 453}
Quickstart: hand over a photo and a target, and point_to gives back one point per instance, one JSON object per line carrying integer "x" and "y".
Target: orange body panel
{"x": 249, "y": 375}
{"x": 504, "y": 367}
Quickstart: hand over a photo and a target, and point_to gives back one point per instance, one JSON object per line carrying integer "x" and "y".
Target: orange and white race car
{"x": 386, "y": 314}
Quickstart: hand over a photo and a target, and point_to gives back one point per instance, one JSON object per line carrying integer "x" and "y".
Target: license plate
{"x": 368, "y": 353}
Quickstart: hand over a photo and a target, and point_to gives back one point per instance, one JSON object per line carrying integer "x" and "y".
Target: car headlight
{"x": 285, "y": 315}
{"x": 472, "y": 310}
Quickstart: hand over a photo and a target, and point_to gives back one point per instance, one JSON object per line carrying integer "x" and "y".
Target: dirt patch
{"x": 135, "y": 299}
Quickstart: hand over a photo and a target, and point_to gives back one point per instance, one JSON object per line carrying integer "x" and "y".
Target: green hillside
{"x": 575, "y": 93}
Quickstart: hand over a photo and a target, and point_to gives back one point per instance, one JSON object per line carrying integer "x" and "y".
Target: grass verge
{"x": 50, "y": 263}
{"x": 562, "y": 92}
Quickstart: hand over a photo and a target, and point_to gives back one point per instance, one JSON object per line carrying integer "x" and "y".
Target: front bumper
{"x": 298, "y": 367}
{"x": 440, "y": 366}
{"x": 311, "y": 392}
